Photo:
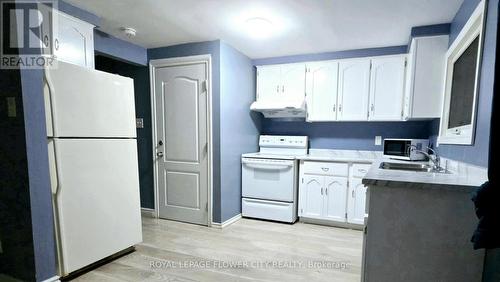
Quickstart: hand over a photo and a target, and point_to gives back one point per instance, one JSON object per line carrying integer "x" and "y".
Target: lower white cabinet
{"x": 334, "y": 203}
{"x": 311, "y": 196}
{"x": 356, "y": 201}
{"x": 332, "y": 191}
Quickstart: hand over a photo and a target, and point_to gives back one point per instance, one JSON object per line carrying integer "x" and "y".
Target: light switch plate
{"x": 378, "y": 140}
{"x": 11, "y": 107}
{"x": 139, "y": 123}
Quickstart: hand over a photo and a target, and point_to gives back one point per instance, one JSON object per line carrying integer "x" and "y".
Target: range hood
{"x": 294, "y": 108}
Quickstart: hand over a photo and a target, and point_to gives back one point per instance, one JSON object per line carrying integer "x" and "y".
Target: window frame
{"x": 474, "y": 28}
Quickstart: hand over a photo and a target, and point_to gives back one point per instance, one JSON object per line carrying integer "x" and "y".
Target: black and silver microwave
{"x": 403, "y": 149}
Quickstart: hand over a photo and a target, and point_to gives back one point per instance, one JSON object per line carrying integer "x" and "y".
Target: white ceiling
{"x": 308, "y": 26}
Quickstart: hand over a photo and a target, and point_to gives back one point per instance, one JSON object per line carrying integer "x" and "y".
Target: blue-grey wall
{"x": 391, "y": 50}
{"x": 78, "y": 13}
{"x": 116, "y": 48}
{"x": 478, "y": 153}
{"x": 344, "y": 135}
{"x": 200, "y": 48}
{"x": 239, "y": 127}
{"x": 40, "y": 199}
{"x": 16, "y": 232}
{"x": 348, "y": 135}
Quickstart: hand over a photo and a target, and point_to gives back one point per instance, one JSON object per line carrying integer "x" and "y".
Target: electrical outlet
{"x": 139, "y": 123}
{"x": 378, "y": 140}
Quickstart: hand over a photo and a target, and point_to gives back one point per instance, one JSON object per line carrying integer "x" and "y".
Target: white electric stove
{"x": 270, "y": 178}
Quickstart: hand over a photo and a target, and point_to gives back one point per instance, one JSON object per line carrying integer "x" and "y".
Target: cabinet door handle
{"x": 326, "y": 191}
{"x": 334, "y": 107}
{"x": 340, "y": 107}
{"x": 283, "y": 89}
{"x": 278, "y": 88}
{"x": 325, "y": 169}
{"x": 362, "y": 170}
{"x": 56, "y": 44}
{"x": 321, "y": 190}
{"x": 372, "y": 108}
{"x": 46, "y": 41}
{"x": 352, "y": 193}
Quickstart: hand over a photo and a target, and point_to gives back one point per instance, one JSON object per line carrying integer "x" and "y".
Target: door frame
{"x": 179, "y": 61}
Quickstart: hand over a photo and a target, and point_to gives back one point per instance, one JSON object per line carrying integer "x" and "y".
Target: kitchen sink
{"x": 410, "y": 167}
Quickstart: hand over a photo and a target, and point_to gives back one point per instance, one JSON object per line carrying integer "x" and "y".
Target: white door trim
{"x": 153, "y": 64}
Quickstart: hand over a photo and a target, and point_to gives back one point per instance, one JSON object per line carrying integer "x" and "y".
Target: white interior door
{"x": 311, "y": 200}
{"x": 293, "y": 79}
{"x": 182, "y": 148}
{"x": 387, "y": 88}
{"x": 96, "y": 193}
{"x": 335, "y": 198}
{"x": 268, "y": 82}
{"x": 354, "y": 87}
{"x": 357, "y": 201}
{"x": 321, "y": 83}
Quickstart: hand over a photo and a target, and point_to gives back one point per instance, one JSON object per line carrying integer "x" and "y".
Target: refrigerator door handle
{"x": 51, "y": 102}
{"x": 54, "y": 168}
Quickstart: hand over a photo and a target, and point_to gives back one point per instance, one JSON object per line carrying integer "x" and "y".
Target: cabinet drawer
{"x": 325, "y": 168}
{"x": 359, "y": 170}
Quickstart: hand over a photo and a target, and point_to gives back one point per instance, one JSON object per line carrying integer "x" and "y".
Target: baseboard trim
{"x": 145, "y": 212}
{"x": 52, "y": 279}
{"x": 331, "y": 223}
{"x": 227, "y": 222}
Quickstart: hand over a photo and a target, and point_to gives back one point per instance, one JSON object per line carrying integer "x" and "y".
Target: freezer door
{"x": 96, "y": 199}
{"x": 81, "y": 102}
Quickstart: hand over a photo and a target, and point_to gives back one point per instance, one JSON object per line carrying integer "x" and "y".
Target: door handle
{"x": 159, "y": 154}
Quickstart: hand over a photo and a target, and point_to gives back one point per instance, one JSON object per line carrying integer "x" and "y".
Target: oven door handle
{"x": 267, "y": 166}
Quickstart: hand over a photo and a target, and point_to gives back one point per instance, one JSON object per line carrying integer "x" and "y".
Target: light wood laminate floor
{"x": 258, "y": 251}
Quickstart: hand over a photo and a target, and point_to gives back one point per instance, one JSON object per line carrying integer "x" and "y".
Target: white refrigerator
{"x": 93, "y": 164}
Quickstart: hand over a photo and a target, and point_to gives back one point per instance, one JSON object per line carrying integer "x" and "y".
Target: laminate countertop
{"x": 355, "y": 156}
{"x": 463, "y": 178}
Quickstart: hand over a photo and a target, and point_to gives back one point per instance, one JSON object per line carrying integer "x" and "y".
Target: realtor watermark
{"x": 244, "y": 264}
{"x": 27, "y": 34}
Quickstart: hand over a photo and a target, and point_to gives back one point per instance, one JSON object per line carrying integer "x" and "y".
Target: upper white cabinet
{"x": 293, "y": 81}
{"x": 268, "y": 82}
{"x": 424, "y": 77}
{"x": 72, "y": 40}
{"x": 277, "y": 82}
{"x": 321, "y": 91}
{"x": 354, "y": 86}
{"x": 383, "y": 88}
{"x": 356, "y": 89}
{"x": 387, "y": 88}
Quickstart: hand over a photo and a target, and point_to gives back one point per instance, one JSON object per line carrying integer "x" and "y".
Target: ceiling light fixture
{"x": 259, "y": 28}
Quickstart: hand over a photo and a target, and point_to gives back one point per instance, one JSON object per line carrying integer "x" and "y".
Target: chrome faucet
{"x": 434, "y": 158}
